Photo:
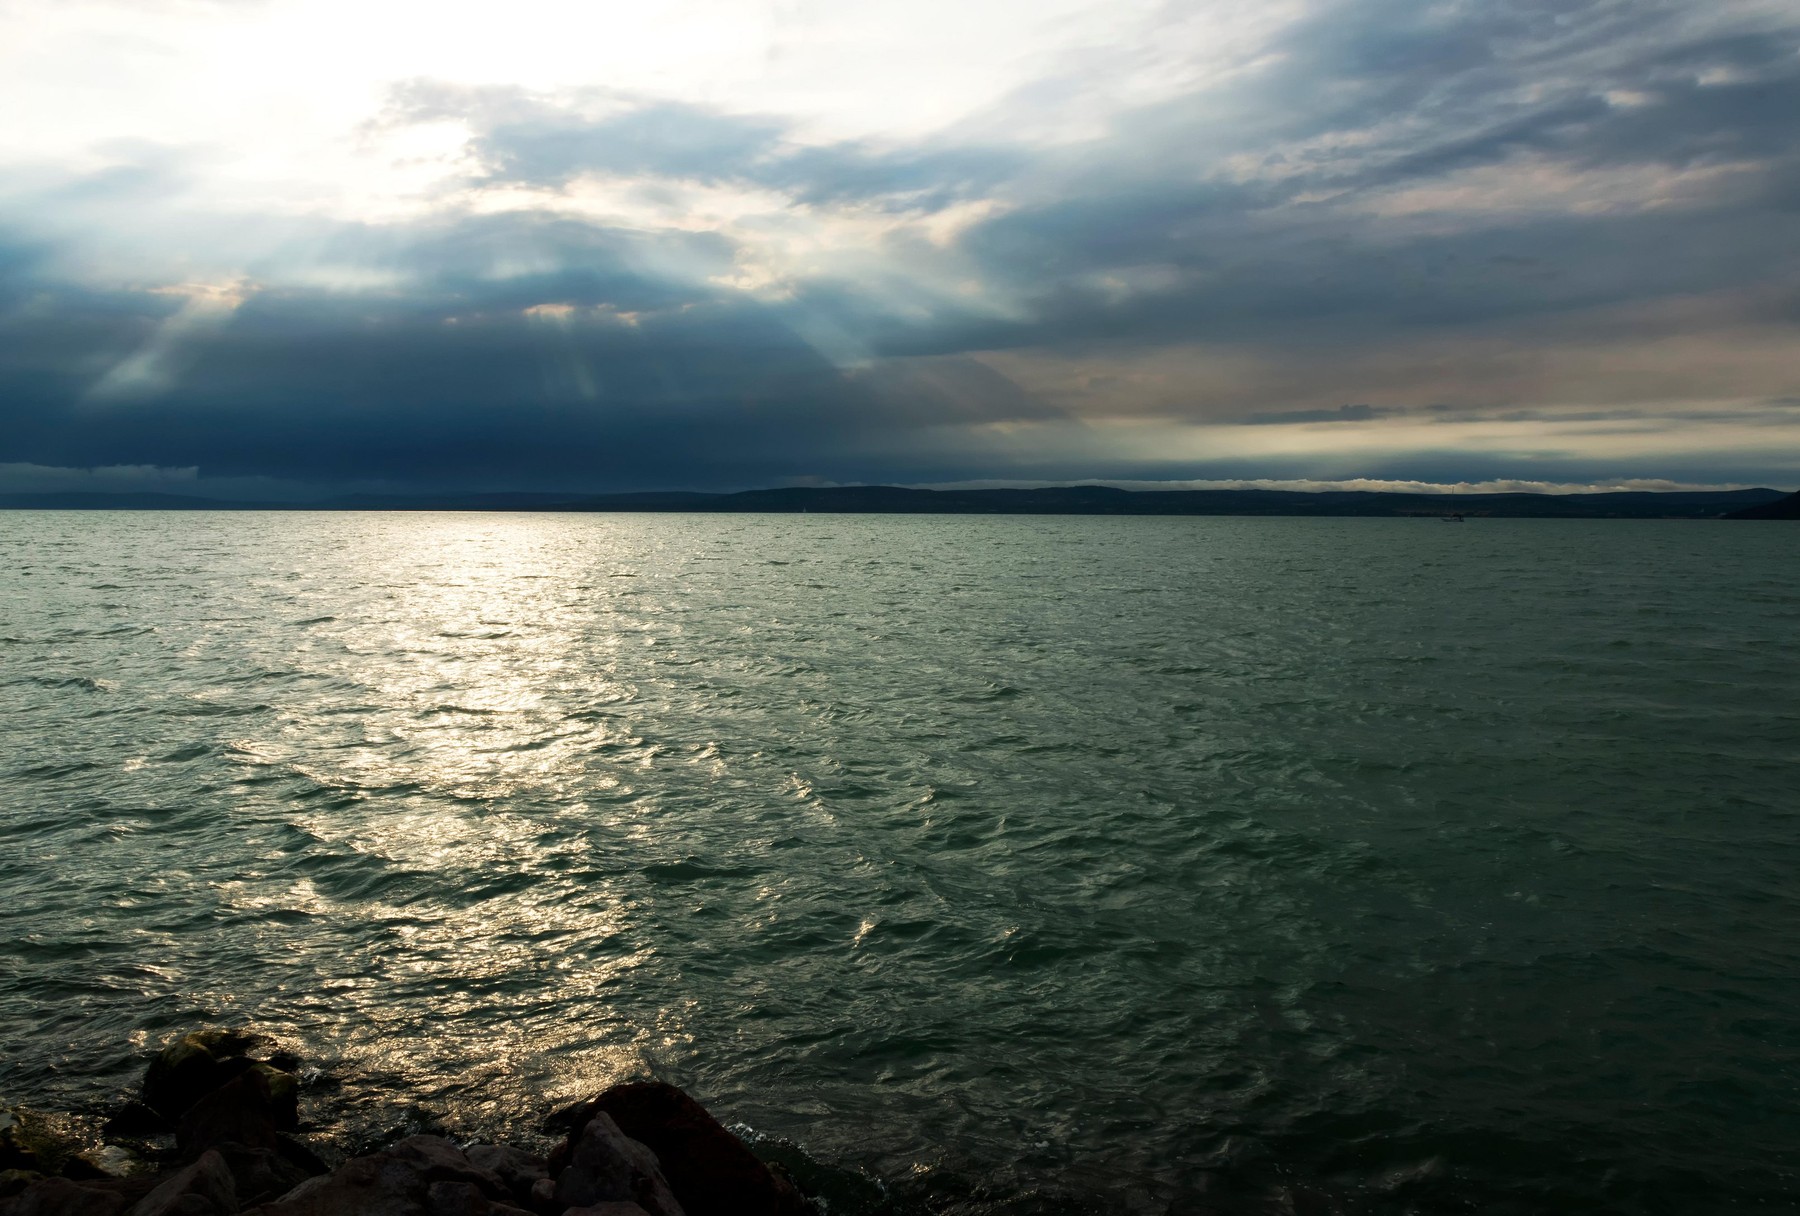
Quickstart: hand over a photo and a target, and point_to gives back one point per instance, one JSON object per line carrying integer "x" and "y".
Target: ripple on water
{"x": 1025, "y": 863}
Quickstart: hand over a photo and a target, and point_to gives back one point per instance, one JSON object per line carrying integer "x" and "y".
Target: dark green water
{"x": 1027, "y": 864}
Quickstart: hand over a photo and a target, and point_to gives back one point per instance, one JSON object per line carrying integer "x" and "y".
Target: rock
{"x": 14, "y": 1181}
{"x": 204, "y": 1188}
{"x": 62, "y": 1197}
{"x": 198, "y": 1064}
{"x": 617, "y": 1208}
{"x": 711, "y": 1171}
{"x": 364, "y": 1186}
{"x": 261, "y": 1174}
{"x": 237, "y": 1112}
{"x": 305, "y": 1188}
{"x": 298, "y": 1154}
{"x": 455, "y": 1199}
{"x": 543, "y": 1195}
{"x": 193, "y": 1066}
{"x": 415, "y": 1177}
{"x": 441, "y": 1161}
{"x": 606, "y": 1166}
{"x": 517, "y": 1170}
{"x": 283, "y": 1092}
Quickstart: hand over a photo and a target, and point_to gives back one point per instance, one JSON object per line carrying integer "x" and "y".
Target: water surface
{"x": 1027, "y": 863}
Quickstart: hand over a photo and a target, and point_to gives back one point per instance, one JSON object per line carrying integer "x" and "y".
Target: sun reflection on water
{"x": 445, "y": 768}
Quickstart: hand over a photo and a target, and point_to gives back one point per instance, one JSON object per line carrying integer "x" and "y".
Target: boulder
{"x": 262, "y": 1174}
{"x": 710, "y": 1171}
{"x": 196, "y": 1065}
{"x": 364, "y": 1186}
{"x": 419, "y": 1176}
{"x": 455, "y": 1199}
{"x": 63, "y": 1197}
{"x": 516, "y": 1169}
{"x": 193, "y": 1066}
{"x": 237, "y": 1112}
{"x": 438, "y": 1160}
{"x": 282, "y": 1089}
{"x": 14, "y": 1181}
{"x": 608, "y": 1209}
{"x": 204, "y": 1188}
{"x": 605, "y": 1165}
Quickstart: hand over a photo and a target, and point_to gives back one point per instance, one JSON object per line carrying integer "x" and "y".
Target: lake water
{"x": 1024, "y": 864}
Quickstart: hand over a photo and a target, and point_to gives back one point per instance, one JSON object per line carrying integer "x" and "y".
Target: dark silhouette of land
{"x": 1780, "y": 508}
{"x": 1058, "y": 500}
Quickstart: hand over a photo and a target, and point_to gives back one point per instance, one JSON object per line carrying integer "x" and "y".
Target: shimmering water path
{"x": 1152, "y": 864}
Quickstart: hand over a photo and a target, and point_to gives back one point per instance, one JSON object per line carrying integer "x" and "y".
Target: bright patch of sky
{"x": 276, "y": 96}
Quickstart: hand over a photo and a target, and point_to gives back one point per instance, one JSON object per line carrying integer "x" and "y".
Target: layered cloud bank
{"x": 589, "y": 248}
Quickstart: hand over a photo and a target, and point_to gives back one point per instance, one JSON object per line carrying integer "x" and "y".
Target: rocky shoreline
{"x": 217, "y": 1130}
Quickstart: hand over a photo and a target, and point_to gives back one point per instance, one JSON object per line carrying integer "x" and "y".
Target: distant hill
{"x": 1106, "y": 500}
{"x": 1781, "y": 508}
{"x": 1055, "y": 500}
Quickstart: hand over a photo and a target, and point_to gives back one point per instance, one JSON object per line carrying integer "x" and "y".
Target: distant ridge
{"x": 1780, "y": 508}
{"x": 1055, "y": 500}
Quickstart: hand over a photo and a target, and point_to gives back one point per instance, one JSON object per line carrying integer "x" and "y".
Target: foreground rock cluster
{"x": 639, "y": 1149}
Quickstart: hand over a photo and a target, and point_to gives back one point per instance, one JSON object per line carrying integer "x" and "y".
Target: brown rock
{"x": 204, "y": 1188}
{"x": 711, "y": 1171}
{"x": 365, "y": 1186}
{"x": 13, "y": 1181}
{"x": 438, "y": 1160}
{"x": 62, "y": 1197}
{"x": 420, "y": 1176}
{"x": 193, "y": 1066}
{"x": 455, "y": 1199}
{"x": 516, "y": 1169}
{"x": 607, "y": 1166}
{"x": 619, "y": 1208}
{"x": 262, "y": 1174}
{"x": 237, "y": 1112}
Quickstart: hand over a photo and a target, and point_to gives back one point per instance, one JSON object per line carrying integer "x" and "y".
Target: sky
{"x": 288, "y": 248}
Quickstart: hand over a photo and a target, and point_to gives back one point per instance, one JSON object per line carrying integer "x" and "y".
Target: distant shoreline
{"x": 1758, "y": 503}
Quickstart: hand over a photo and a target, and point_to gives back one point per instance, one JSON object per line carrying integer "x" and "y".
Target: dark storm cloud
{"x": 583, "y": 373}
{"x": 1393, "y": 173}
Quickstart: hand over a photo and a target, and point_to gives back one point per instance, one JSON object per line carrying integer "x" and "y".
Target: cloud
{"x": 19, "y": 478}
{"x": 1554, "y": 242}
{"x": 1362, "y": 412}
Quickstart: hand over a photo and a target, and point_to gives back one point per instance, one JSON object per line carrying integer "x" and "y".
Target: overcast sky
{"x": 296, "y": 246}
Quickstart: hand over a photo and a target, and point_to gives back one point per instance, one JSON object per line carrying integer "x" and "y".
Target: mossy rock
{"x": 198, "y": 1063}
